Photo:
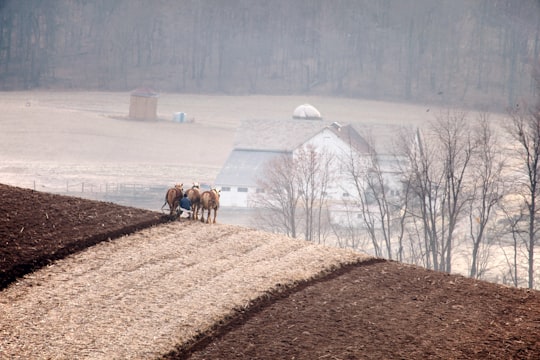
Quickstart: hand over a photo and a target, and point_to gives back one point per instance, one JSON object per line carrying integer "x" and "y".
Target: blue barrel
{"x": 179, "y": 117}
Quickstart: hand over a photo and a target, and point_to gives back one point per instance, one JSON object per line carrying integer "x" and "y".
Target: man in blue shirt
{"x": 185, "y": 205}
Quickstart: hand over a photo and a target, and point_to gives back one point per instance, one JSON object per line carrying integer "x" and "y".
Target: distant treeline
{"x": 454, "y": 52}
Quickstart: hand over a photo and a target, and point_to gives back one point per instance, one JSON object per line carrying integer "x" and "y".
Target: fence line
{"x": 140, "y": 195}
{"x": 108, "y": 187}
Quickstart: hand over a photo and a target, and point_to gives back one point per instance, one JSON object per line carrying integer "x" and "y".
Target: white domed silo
{"x": 306, "y": 112}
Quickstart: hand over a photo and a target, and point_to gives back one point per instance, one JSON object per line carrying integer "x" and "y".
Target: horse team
{"x": 200, "y": 201}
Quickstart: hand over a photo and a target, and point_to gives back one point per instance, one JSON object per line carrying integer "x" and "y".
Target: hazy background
{"x": 81, "y": 143}
{"x": 67, "y": 68}
{"x": 474, "y": 53}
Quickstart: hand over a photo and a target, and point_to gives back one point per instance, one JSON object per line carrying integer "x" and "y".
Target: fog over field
{"x": 50, "y": 138}
{"x": 83, "y": 144}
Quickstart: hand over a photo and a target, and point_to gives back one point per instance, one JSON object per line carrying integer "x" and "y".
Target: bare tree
{"x": 358, "y": 169}
{"x": 438, "y": 160}
{"x": 281, "y": 195}
{"x": 525, "y": 129}
{"x": 425, "y": 182}
{"x": 372, "y": 194}
{"x": 313, "y": 167}
{"x": 513, "y": 221}
{"x": 454, "y": 134}
{"x": 369, "y": 217}
{"x": 294, "y": 193}
{"x": 487, "y": 190}
{"x": 402, "y": 219}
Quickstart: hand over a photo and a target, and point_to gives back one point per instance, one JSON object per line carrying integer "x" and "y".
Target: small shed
{"x": 143, "y": 104}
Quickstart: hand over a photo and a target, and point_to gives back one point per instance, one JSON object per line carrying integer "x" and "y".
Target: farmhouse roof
{"x": 276, "y": 135}
{"x": 382, "y": 137}
{"x": 244, "y": 166}
{"x": 287, "y": 135}
{"x": 350, "y": 135}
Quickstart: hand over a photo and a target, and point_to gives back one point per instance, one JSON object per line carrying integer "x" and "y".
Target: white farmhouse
{"x": 259, "y": 141}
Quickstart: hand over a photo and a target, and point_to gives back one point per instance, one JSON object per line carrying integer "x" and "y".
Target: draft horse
{"x": 210, "y": 201}
{"x": 194, "y": 196}
{"x": 172, "y": 198}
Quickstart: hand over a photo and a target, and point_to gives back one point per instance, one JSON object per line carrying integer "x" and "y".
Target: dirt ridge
{"x": 240, "y": 316}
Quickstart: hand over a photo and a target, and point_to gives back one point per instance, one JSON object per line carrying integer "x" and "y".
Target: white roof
{"x": 276, "y": 135}
{"x": 306, "y": 111}
{"x": 245, "y": 167}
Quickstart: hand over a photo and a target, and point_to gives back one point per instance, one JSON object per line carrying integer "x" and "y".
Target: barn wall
{"x": 341, "y": 189}
{"x": 230, "y": 196}
{"x": 328, "y": 141}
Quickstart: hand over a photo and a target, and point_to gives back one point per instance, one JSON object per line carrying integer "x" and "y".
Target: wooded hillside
{"x": 452, "y": 52}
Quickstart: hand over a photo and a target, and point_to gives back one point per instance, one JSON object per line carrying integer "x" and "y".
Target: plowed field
{"x": 140, "y": 295}
{"x": 186, "y": 289}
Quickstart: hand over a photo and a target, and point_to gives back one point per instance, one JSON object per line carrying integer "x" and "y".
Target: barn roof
{"x": 243, "y": 167}
{"x": 349, "y": 135}
{"x": 383, "y": 137}
{"x": 287, "y": 135}
{"x": 276, "y": 135}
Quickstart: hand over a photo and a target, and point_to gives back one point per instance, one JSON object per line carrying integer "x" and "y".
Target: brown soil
{"x": 37, "y": 228}
{"x": 372, "y": 309}
{"x": 385, "y": 310}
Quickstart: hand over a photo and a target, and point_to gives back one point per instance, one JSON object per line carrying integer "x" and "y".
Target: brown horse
{"x": 194, "y": 195}
{"x": 209, "y": 201}
{"x": 172, "y": 198}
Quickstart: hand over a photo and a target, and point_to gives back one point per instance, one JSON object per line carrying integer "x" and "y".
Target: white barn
{"x": 259, "y": 141}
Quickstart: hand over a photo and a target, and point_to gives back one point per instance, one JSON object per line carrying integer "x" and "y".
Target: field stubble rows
{"x": 194, "y": 274}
